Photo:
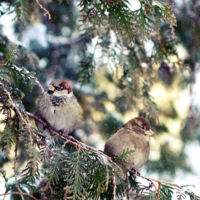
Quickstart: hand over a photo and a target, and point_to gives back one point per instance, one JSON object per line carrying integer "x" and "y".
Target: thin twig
{"x": 159, "y": 41}
{"x": 23, "y": 119}
{"x": 35, "y": 79}
{"x": 127, "y": 187}
{"x": 160, "y": 183}
{"x": 191, "y": 14}
{"x": 64, "y": 136}
{"x": 148, "y": 179}
{"x": 21, "y": 193}
{"x": 46, "y": 11}
{"x": 166, "y": 183}
{"x": 14, "y": 107}
{"x": 115, "y": 187}
{"x": 83, "y": 146}
{"x": 159, "y": 187}
{"x": 40, "y": 86}
{"x": 15, "y": 172}
{"x": 139, "y": 60}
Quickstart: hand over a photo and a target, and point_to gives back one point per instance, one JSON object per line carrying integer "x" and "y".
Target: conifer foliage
{"x": 69, "y": 168}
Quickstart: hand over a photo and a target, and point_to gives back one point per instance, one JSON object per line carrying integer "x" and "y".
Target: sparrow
{"x": 134, "y": 135}
{"x": 59, "y": 108}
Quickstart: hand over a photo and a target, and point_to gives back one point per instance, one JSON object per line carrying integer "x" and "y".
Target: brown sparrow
{"x": 59, "y": 108}
{"x": 134, "y": 135}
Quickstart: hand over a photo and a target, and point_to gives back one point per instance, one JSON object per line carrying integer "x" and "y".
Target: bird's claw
{"x": 134, "y": 172}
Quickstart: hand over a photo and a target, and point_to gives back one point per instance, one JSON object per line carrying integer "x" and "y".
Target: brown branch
{"x": 165, "y": 183}
{"x": 148, "y": 179}
{"x": 40, "y": 86}
{"x": 70, "y": 139}
{"x": 2, "y": 65}
{"x": 157, "y": 37}
{"x": 191, "y": 14}
{"x": 139, "y": 60}
{"x": 115, "y": 186}
{"x": 83, "y": 146}
{"x": 21, "y": 193}
{"x": 23, "y": 119}
{"x": 46, "y": 11}
{"x": 14, "y": 107}
{"x": 127, "y": 187}
{"x": 159, "y": 187}
{"x": 160, "y": 183}
{"x": 35, "y": 79}
{"x": 15, "y": 172}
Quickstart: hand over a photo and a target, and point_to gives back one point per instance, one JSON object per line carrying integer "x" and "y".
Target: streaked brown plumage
{"x": 134, "y": 135}
{"x": 59, "y": 108}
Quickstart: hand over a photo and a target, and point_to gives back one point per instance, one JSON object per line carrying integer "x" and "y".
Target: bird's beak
{"x": 51, "y": 88}
{"x": 149, "y": 132}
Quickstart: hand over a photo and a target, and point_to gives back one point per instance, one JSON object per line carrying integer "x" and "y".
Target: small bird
{"x": 59, "y": 108}
{"x": 134, "y": 135}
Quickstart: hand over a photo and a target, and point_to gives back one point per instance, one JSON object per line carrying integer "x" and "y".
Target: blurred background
{"x": 114, "y": 79}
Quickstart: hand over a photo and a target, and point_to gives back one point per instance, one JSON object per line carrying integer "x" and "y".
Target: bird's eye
{"x": 142, "y": 127}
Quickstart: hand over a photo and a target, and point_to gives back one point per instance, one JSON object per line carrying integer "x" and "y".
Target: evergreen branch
{"x": 24, "y": 74}
{"x": 160, "y": 183}
{"x": 10, "y": 55}
{"x": 7, "y": 139}
{"x": 5, "y": 76}
{"x": 16, "y": 109}
{"x": 77, "y": 171}
{"x": 116, "y": 15}
{"x": 53, "y": 177}
{"x": 137, "y": 55}
{"x": 83, "y": 146}
{"x": 122, "y": 158}
{"x": 86, "y": 70}
{"x": 13, "y": 75}
{"x": 19, "y": 9}
{"x": 70, "y": 139}
{"x": 31, "y": 171}
{"x": 75, "y": 177}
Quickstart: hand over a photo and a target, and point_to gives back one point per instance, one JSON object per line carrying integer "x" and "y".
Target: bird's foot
{"x": 62, "y": 133}
{"x": 45, "y": 124}
{"x": 134, "y": 172}
{"x": 42, "y": 141}
{"x": 114, "y": 157}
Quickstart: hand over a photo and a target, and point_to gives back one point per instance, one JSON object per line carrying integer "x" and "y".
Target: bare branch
{"x": 46, "y": 11}
{"x": 191, "y": 14}
{"x": 70, "y": 139}
{"x": 15, "y": 172}
{"x": 21, "y": 193}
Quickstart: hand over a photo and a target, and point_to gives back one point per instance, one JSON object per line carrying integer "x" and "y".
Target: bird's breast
{"x": 62, "y": 113}
{"x": 124, "y": 140}
{"x": 61, "y": 100}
